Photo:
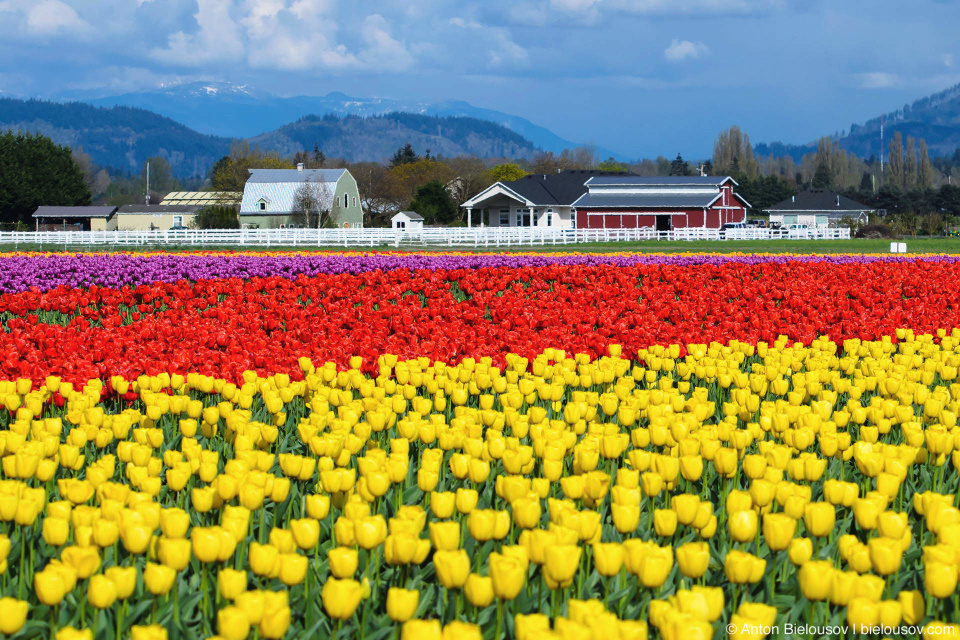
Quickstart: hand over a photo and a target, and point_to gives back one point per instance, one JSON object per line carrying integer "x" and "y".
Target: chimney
{"x": 299, "y": 166}
{"x": 838, "y": 200}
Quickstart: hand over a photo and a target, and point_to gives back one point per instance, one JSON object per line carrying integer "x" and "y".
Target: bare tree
{"x": 312, "y": 204}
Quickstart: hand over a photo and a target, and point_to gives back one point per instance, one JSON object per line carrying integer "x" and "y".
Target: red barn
{"x": 661, "y": 203}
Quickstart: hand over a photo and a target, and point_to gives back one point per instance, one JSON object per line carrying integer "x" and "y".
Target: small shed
{"x": 99, "y": 218}
{"x": 407, "y": 221}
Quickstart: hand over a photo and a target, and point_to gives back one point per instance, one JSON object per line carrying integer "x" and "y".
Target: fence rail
{"x": 372, "y": 238}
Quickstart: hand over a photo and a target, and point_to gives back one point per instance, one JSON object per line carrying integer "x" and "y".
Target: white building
{"x": 818, "y": 208}
{"x": 409, "y": 221}
{"x": 538, "y": 200}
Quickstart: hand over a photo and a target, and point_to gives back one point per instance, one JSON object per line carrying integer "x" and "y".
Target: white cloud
{"x": 878, "y": 80}
{"x": 573, "y": 6}
{"x": 48, "y": 17}
{"x": 383, "y": 51}
{"x": 680, "y": 50}
{"x": 948, "y": 60}
{"x": 678, "y": 7}
{"x": 218, "y": 37}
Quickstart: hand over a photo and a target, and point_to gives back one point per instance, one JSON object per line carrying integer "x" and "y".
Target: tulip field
{"x": 449, "y": 446}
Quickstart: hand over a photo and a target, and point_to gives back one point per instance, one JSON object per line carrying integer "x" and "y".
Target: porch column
{"x": 469, "y": 216}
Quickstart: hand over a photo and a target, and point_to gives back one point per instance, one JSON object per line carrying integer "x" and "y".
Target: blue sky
{"x": 643, "y": 77}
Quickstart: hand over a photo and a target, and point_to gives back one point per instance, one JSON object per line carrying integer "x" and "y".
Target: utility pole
{"x": 147, "y": 198}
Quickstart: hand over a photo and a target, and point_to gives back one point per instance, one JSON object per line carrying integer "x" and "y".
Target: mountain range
{"x": 192, "y": 125}
{"x": 124, "y": 137}
{"x": 230, "y": 110}
{"x": 935, "y": 118}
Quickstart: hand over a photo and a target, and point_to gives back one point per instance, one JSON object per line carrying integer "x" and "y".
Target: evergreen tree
{"x": 679, "y": 167}
{"x": 822, "y": 179}
{"x": 404, "y": 155}
{"x": 433, "y": 202}
{"x": 318, "y": 158}
{"x": 35, "y": 171}
{"x": 866, "y": 182}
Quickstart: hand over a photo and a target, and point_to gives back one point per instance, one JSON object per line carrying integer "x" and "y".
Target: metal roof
{"x": 647, "y": 200}
{"x": 202, "y": 197}
{"x": 156, "y": 209}
{"x": 652, "y": 181}
{"x": 74, "y": 212}
{"x": 411, "y": 215}
{"x": 293, "y": 175}
{"x": 820, "y": 201}
{"x": 278, "y": 187}
{"x": 561, "y": 188}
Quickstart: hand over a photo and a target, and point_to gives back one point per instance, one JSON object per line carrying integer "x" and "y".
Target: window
{"x": 573, "y": 218}
{"x": 401, "y": 224}
{"x": 354, "y": 200}
{"x": 549, "y": 219}
{"x": 504, "y": 217}
{"x": 263, "y": 205}
{"x": 523, "y": 218}
{"x": 346, "y": 202}
{"x": 178, "y": 221}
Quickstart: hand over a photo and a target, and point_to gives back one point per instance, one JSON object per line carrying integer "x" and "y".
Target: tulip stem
{"x": 496, "y": 636}
{"x": 54, "y": 618}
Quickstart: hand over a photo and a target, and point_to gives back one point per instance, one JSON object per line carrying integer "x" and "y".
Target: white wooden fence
{"x": 373, "y": 238}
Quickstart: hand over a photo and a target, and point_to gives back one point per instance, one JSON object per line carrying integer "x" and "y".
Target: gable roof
{"x": 659, "y": 181}
{"x": 820, "y": 200}
{"x": 411, "y": 215}
{"x": 278, "y": 187}
{"x": 157, "y": 209}
{"x": 293, "y": 175}
{"x": 556, "y": 188}
{"x": 641, "y": 200}
{"x": 74, "y": 212}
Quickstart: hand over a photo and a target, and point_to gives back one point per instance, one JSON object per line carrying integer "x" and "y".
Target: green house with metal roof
{"x": 278, "y": 198}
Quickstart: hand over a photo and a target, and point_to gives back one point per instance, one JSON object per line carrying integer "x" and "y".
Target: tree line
{"x": 913, "y": 186}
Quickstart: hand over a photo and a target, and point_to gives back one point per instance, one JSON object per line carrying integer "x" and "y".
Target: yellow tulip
{"x": 101, "y": 592}
{"x": 819, "y": 518}
{"x": 13, "y": 615}
{"x": 402, "y": 603}
{"x": 158, "y": 578}
{"x": 231, "y": 583}
{"x": 341, "y": 598}
{"x": 232, "y": 623}
{"x": 608, "y": 558}
{"x": 479, "y": 590}
{"x": 507, "y": 574}
{"x": 124, "y": 579}
{"x": 343, "y": 562}
{"x": 452, "y": 568}
{"x": 561, "y": 564}
{"x": 693, "y": 559}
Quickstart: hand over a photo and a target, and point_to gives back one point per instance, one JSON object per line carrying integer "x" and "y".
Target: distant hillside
{"x": 226, "y": 109}
{"x": 124, "y": 137}
{"x": 935, "y": 118}
{"x": 119, "y": 137}
{"x": 378, "y": 137}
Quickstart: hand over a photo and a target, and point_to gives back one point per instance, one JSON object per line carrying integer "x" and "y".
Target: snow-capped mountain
{"x": 241, "y": 111}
